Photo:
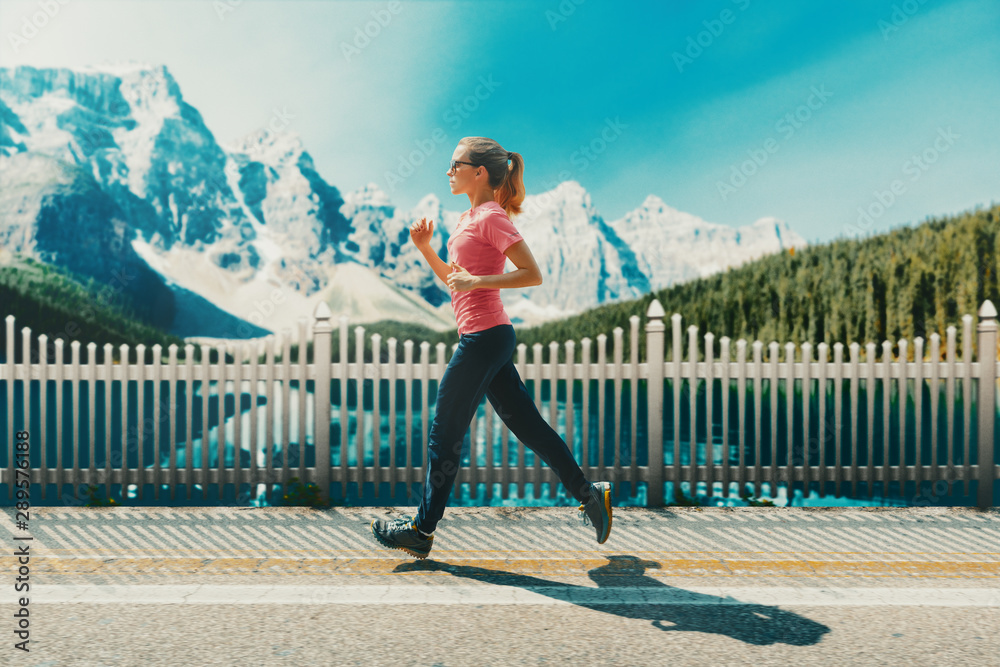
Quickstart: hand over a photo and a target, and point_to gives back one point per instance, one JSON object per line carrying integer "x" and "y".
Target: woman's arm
{"x": 526, "y": 275}
{"x": 518, "y": 278}
{"x": 421, "y": 233}
{"x": 441, "y": 270}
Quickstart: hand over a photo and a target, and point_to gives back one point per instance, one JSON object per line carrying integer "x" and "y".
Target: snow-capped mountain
{"x": 108, "y": 166}
{"x": 672, "y": 246}
{"x": 583, "y": 261}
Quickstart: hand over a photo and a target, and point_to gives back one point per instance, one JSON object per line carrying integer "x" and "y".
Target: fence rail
{"x": 717, "y": 453}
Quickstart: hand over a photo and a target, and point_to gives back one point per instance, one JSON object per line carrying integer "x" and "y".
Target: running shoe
{"x": 597, "y": 510}
{"x": 402, "y": 534}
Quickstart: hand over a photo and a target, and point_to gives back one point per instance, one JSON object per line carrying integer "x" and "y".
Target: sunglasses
{"x": 455, "y": 163}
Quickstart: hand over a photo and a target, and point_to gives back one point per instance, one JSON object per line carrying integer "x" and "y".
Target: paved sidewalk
{"x": 953, "y": 546}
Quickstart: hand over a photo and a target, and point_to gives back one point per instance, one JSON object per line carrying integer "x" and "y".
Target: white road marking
{"x": 321, "y": 539}
{"x": 967, "y": 538}
{"x": 748, "y": 539}
{"x": 350, "y": 540}
{"x": 202, "y": 538}
{"x": 245, "y": 539}
{"x": 194, "y": 544}
{"x": 289, "y": 539}
{"x": 85, "y": 547}
{"x": 163, "y": 547}
{"x": 832, "y": 542}
{"x": 58, "y": 541}
{"x": 675, "y": 536}
{"x": 106, "y": 535}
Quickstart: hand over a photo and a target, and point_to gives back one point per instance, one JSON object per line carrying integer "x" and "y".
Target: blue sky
{"x": 834, "y": 99}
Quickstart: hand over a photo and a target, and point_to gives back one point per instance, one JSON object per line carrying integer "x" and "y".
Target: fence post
{"x": 987, "y": 330}
{"x": 654, "y": 363}
{"x": 321, "y": 359}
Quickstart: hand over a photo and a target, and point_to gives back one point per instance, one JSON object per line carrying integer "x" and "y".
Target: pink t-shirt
{"x": 478, "y": 245}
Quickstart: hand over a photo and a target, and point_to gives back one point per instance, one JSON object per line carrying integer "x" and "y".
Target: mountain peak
{"x": 369, "y": 194}
{"x": 429, "y": 206}
{"x": 122, "y": 67}
{"x": 267, "y": 146}
{"x": 770, "y": 226}
{"x": 654, "y": 204}
{"x": 568, "y": 194}
{"x": 431, "y": 200}
{"x": 768, "y": 221}
{"x": 151, "y": 91}
{"x": 571, "y": 189}
{"x": 655, "y": 214}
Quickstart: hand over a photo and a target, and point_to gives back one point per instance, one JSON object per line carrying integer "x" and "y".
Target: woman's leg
{"x": 514, "y": 405}
{"x": 476, "y": 360}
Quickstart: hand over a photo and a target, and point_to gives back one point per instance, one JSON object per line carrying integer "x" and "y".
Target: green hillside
{"x": 54, "y": 302}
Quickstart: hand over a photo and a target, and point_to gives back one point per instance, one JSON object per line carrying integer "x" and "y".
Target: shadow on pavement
{"x": 750, "y": 623}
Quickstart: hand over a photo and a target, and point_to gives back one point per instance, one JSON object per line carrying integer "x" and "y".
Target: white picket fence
{"x": 711, "y": 460}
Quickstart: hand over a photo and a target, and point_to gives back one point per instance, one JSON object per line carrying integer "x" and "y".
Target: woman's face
{"x": 463, "y": 176}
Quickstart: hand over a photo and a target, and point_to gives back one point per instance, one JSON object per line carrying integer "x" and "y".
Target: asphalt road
{"x": 507, "y": 586}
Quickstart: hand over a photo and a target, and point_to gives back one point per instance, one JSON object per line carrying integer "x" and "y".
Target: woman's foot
{"x": 402, "y": 534}
{"x": 597, "y": 510}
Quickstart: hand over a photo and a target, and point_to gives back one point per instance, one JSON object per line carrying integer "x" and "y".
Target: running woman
{"x": 482, "y": 242}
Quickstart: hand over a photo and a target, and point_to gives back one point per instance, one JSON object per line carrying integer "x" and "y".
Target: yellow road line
{"x": 503, "y": 566}
{"x": 237, "y": 550}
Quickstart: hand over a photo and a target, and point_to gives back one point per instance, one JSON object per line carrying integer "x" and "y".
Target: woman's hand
{"x": 421, "y": 232}
{"x": 460, "y": 280}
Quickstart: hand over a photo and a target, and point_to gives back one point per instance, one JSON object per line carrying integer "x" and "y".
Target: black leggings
{"x": 482, "y": 365}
